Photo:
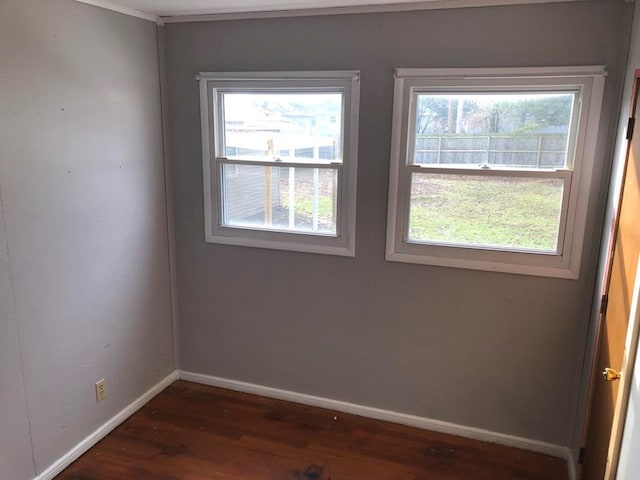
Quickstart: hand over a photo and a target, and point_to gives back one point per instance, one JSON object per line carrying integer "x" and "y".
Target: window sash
{"x": 279, "y": 163}
{"x": 291, "y": 88}
{"x": 561, "y": 174}
{"x": 217, "y": 165}
{"x": 415, "y": 91}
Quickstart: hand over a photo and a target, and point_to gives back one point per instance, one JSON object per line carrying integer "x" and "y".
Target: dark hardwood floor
{"x": 194, "y": 432}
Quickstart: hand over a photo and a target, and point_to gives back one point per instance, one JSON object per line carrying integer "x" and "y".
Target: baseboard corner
{"x": 72, "y": 455}
{"x": 571, "y": 463}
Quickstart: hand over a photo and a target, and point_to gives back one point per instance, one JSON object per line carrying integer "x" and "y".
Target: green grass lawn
{"x": 520, "y": 213}
{"x": 502, "y": 212}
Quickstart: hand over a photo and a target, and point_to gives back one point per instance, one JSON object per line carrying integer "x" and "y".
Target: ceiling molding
{"x": 228, "y": 14}
{"x": 114, "y": 7}
{"x": 187, "y": 16}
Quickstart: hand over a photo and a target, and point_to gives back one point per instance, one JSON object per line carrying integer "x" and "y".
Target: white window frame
{"x": 565, "y": 262}
{"x": 215, "y": 84}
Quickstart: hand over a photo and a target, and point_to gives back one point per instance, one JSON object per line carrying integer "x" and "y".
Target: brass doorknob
{"x": 610, "y": 375}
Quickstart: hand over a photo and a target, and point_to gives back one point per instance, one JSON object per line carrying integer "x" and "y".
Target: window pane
{"x": 486, "y": 211}
{"x": 280, "y": 198}
{"x": 523, "y": 130}
{"x": 299, "y": 126}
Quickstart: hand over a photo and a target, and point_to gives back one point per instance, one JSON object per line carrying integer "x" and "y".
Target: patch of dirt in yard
{"x": 426, "y": 188}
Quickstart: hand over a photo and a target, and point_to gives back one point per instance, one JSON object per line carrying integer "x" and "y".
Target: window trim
{"x": 211, "y": 86}
{"x": 563, "y": 264}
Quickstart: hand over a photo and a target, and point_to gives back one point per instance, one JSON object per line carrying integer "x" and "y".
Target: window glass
{"x": 516, "y": 130}
{"x": 283, "y": 126}
{"x": 280, "y": 198}
{"x": 486, "y": 211}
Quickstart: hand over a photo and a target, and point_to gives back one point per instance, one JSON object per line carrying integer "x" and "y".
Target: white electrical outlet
{"x": 101, "y": 390}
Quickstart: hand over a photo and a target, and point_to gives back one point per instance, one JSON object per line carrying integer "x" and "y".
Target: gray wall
{"x": 15, "y": 447}
{"x": 489, "y": 350}
{"x": 82, "y": 183}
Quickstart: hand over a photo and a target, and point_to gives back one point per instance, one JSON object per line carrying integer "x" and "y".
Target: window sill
{"x": 486, "y": 265}
{"x": 282, "y": 245}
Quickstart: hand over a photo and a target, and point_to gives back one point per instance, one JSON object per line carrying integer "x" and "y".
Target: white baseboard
{"x": 320, "y": 402}
{"x": 379, "y": 414}
{"x": 73, "y": 454}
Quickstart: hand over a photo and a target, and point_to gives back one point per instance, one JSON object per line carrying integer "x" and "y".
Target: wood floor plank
{"x": 196, "y": 432}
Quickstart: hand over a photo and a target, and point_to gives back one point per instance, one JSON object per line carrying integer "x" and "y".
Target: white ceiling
{"x": 168, "y": 8}
{"x": 194, "y": 7}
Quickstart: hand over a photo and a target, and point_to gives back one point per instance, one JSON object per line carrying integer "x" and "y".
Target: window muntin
{"x": 279, "y": 152}
{"x": 488, "y": 167}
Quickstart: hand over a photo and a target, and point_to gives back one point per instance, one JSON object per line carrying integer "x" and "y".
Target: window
{"x": 491, "y": 168}
{"x": 279, "y": 159}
